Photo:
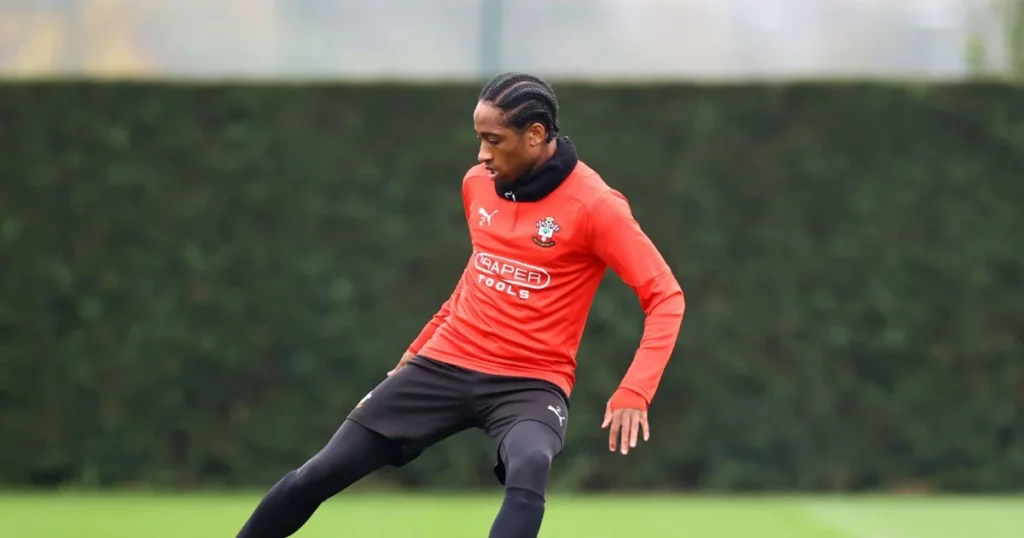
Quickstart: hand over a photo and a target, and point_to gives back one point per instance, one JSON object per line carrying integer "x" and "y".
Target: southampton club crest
{"x": 545, "y": 232}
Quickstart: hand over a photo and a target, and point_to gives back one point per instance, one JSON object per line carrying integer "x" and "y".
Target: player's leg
{"x": 416, "y": 407}
{"x": 528, "y": 419}
{"x": 352, "y": 453}
{"x": 526, "y": 453}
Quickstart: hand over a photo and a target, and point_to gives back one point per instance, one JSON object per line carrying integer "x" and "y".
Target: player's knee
{"x": 316, "y": 480}
{"x": 311, "y": 472}
{"x": 319, "y": 477}
{"x": 529, "y": 448}
{"x": 536, "y": 458}
{"x": 351, "y": 454}
{"x": 528, "y": 469}
{"x": 309, "y": 477}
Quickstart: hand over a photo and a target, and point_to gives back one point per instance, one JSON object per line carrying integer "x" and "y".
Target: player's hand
{"x": 625, "y": 424}
{"x": 408, "y": 356}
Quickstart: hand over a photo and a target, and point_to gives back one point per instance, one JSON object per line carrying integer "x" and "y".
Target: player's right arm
{"x": 439, "y": 317}
{"x": 435, "y": 321}
{"x": 429, "y": 329}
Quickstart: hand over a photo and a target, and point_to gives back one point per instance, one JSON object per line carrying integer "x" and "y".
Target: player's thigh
{"x": 523, "y": 401}
{"x": 353, "y": 452}
{"x": 419, "y": 405}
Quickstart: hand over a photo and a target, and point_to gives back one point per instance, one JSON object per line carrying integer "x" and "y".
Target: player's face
{"x": 506, "y": 152}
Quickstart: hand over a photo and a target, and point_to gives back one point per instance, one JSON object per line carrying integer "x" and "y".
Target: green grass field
{"x": 356, "y": 515}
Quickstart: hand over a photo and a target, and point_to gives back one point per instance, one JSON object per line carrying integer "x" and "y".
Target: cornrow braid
{"x": 524, "y": 100}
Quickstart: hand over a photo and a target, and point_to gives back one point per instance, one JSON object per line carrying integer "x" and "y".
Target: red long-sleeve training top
{"x": 522, "y": 302}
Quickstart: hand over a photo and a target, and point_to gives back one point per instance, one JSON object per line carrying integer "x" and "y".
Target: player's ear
{"x": 535, "y": 134}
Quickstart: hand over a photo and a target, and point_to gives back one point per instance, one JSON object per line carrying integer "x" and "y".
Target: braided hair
{"x": 524, "y": 100}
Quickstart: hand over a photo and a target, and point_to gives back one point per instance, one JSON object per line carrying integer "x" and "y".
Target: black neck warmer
{"x": 543, "y": 180}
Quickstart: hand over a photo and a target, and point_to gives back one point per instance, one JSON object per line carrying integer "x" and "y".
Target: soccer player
{"x": 500, "y": 354}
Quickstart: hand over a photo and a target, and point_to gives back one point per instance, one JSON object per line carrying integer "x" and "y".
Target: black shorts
{"x": 428, "y": 401}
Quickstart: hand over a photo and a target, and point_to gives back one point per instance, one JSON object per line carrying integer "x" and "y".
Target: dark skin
{"x": 508, "y": 153}
{"x": 625, "y": 423}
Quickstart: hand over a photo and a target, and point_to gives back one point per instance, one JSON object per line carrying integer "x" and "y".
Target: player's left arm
{"x": 617, "y": 239}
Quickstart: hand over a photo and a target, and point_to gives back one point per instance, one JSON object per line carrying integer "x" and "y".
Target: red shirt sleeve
{"x": 617, "y": 239}
{"x": 435, "y": 321}
{"x": 442, "y": 313}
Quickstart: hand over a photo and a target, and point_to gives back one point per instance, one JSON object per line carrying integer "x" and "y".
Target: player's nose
{"x": 484, "y": 155}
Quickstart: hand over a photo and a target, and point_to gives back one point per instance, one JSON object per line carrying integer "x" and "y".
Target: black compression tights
{"x": 527, "y": 452}
{"x": 352, "y": 453}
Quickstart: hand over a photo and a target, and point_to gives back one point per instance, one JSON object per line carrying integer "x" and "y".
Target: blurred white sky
{"x": 439, "y": 39}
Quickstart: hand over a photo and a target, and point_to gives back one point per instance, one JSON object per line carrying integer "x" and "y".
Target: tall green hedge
{"x": 198, "y": 282}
